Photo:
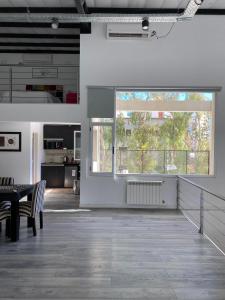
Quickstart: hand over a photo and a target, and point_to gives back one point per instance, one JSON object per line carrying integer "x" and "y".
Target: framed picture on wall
{"x": 10, "y": 141}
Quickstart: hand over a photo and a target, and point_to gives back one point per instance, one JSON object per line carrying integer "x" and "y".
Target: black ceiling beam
{"x": 112, "y": 10}
{"x": 79, "y": 4}
{"x": 82, "y": 9}
{"x": 40, "y": 36}
{"x": 211, "y": 12}
{"x": 39, "y": 51}
{"x": 118, "y": 10}
{"x": 39, "y": 10}
{"x": 136, "y": 11}
{"x": 38, "y": 25}
{"x": 84, "y": 27}
{"x": 19, "y": 44}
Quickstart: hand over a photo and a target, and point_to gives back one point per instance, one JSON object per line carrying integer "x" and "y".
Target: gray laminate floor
{"x": 61, "y": 199}
{"x": 112, "y": 254}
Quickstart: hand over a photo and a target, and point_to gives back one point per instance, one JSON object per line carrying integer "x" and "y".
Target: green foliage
{"x": 179, "y": 132}
{"x": 173, "y": 133}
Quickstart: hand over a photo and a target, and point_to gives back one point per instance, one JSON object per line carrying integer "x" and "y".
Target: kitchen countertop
{"x": 52, "y": 164}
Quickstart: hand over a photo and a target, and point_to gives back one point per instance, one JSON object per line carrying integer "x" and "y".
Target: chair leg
{"x": 34, "y": 227}
{"x": 41, "y": 219}
{"x": 8, "y": 228}
{"x": 0, "y": 226}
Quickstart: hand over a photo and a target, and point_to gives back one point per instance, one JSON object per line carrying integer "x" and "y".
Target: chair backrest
{"x": 6, "y": 181}
{"x": 38, "y": 197}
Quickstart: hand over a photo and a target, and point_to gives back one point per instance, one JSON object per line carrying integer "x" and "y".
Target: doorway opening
{"x": 56, "y": 159}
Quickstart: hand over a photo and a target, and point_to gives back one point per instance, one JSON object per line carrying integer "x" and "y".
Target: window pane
{"x": 102, "y": 149}
{"x": 102, "y": 120}
{"x": 164, "y": 132}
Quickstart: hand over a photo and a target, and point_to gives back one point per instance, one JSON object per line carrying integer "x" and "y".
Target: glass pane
{"x": 139, "y": 161}
{"x": 176, "y": 162}
{"x": 102, "y": 149}
{"x": 198, "y": 162}
{"x": 77, "y": 145}
{"x": 167, "y": 132}
{"x": 78, "y": 140}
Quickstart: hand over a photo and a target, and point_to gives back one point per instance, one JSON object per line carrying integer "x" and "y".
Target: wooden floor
{"x": 61, "y": 199}
{"x": 112, "y": 254}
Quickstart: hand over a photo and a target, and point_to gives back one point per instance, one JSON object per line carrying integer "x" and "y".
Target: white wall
{"x": 37, "y": 128}
{"x": 192, "y": 55}
{"x": 55, "y": 113}
{"x": 17, "y": 164}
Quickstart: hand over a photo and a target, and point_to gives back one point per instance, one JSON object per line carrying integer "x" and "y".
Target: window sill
{"x": 165, "y": 175}
{"x": 150, "y": 175}
{"x": 101, "y": 174}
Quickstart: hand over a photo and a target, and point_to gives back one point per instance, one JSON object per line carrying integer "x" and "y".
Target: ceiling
{"x": 159, "y": 4}
{"x": 37, "y": 36}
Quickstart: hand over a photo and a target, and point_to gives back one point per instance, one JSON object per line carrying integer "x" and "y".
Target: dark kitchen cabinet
{"x": 66, "y": 132}
{"x": 54, "y": 176}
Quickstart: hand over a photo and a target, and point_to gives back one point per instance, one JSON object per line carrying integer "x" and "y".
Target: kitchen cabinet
{"x": 65, "y": 132}
{"x": 54, "y": 175}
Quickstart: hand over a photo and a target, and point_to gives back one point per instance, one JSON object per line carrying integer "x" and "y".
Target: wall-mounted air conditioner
{"x": 127, "y": 32}
{"x": 37, "y": 59}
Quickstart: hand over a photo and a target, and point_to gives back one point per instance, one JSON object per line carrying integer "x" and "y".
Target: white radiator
{"x": 144, "y": 193}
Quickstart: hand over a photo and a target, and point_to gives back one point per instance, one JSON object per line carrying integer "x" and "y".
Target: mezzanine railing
{"x": 205, "y": 209}
{"x": 39, "y": 84}
{"x": 163, "y": 161}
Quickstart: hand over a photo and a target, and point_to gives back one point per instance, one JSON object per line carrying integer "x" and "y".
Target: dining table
{"x": 14, "y": 193}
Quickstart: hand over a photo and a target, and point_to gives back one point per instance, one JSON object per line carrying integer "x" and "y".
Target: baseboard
{"x": 91, "y": 205}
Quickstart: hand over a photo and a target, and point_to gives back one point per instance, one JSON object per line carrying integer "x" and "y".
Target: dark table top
{"x": 15, "y": 192}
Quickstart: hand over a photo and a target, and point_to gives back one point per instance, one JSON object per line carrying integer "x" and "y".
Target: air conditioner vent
{"x": 128, "y": 35}
{"x": 126, "y": 31}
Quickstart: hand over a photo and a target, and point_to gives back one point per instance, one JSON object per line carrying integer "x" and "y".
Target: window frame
{"x": 212, "y": 165}
{"x": 93, "y": 124}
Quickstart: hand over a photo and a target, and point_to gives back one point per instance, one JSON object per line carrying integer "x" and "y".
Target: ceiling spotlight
{"x": 145, "y": 24}
{"x": 55, "y": 23}
{"x": 198, "y": 2}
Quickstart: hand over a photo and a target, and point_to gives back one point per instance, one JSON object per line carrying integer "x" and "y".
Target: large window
{"x": 156, "y": 132}
{"x": 166, "y": 132}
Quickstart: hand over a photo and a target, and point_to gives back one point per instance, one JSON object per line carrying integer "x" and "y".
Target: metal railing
{"x": 204, "y": 208}
{"x": 163, "y": 161}
{"x": 39, "y": 84}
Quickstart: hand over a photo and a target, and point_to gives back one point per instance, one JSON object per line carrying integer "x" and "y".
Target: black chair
{"x": 5, "y": 214}
{"x": 5, "y": 205}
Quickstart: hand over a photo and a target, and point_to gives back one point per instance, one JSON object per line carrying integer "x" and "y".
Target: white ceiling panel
{"x": 37, "y": 3}
{"x": 119, "y": 3}
{"x": 217, "y": 4}
{"x": 67, "y": 3}
{"x": 173, "y": 4}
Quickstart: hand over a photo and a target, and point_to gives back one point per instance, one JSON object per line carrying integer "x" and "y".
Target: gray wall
{"x": 192, "y": 55}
